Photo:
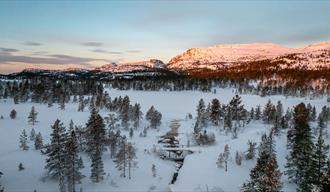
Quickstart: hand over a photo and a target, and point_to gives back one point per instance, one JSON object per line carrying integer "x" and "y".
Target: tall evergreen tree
{"x": 56, "y": 155}
{"x": 265, "y": 176}
{"x": 319, "y": 163}
{"x": 215, "y": 111}
{"x": 23, "y": 140}
{"x": 300, "y": 148}
{"x": 136, "y": 115}
{"x": 38, "y": 142}
{"x": 124, "y": 112}
{"x": 32, "y": 118}
{"x": 73, "y": 172}
{"x": 96, "y": 141}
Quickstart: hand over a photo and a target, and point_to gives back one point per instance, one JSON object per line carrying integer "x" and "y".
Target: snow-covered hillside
{"x": 227, "y": 55}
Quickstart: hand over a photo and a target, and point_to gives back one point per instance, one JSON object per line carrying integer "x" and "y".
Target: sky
{"x": 58, "y": 34}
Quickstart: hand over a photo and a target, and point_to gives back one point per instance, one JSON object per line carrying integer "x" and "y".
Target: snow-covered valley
{"x": 199, "y": 171}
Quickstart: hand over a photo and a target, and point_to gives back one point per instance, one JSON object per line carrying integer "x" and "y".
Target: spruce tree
{"x": 56, "y": 154}
{"x": 32, "y": 118}
{"x": 215, "y": 112}
{"x": 23, "y": 140}
{"x": 38, "y": 142}
{"x": 136, "y": 115}
{"x": 73, "y": 172}
{"x": 251, "y": 150}
{"x": 121, "y": 157}
{"x": 124, "y": 112}
{"x": 300, "y": 148}
{"x": 96, "y": 141}
{"x": 319, "y": 164}
{"x": 265, "y": 176}
{"x": 32, "y": 134}
{"x": 131, "y": 158}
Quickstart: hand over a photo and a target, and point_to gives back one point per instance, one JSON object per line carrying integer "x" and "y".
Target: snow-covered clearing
{"x": 199, "y": 172}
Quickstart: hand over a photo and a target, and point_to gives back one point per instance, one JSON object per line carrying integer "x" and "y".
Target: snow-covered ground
{"x": 199, "y": 172}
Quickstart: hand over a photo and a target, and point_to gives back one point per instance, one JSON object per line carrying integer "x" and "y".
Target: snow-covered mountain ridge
{"x": 151, "y": 64}
{"x": 227, "y": 55}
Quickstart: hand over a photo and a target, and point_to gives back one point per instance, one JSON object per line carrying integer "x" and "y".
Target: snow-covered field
{"x": 199, "y": 171}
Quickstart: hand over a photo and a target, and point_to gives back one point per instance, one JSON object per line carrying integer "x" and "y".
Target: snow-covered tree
{"x": 73, "y": 172}
{"x": 32, "y": 134}
{"x": 121, "y": 157}
{"x": 131, "y": 158}
{"x": 319, "y": 162}
{"x": 32, "y": 118}
{"x": 215, "y": 113}
{"x": 96, "y": 141}
{"x": 236, "y": 109}
{"x": 154, "y": 117}
{"x": 38, "y": 142}
{"x": 265, "y": 176}
{"x": 23, "y": 140}
{"x": 137, "y": 115}
{"x": 251, "y": 150}
{"x": 56, "y": 154}
{"x": 300, "y": 148}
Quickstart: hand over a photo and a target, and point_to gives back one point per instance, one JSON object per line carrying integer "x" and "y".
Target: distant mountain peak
{"x": 218, "y": 56}
{"x": 133, "y": 66}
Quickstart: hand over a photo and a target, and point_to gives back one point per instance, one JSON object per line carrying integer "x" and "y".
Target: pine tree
{"x": 38, "y": 142}
{"x": 215, "y": 112}
{"x": 265, "y": 176}
{"x": 81, "y": 105}
{"x": 131, "y": 156}
{"x": 258, "y": 113}
{"x": 55, "y": 161}
{"x": 319, "y": 164}
{"x": 251, "y": 150}
{"x": 154, "y": 117}
{"x": 136, "y": 115}
{"x": 13, "y": 114}
{"x": 201, "y": 121}
{"x": 32, "y": 118}
{"x": 300, "y": 148}
{"x": 238, "y": 113}
{"x": 95, "y": 132}
{"x": 73, "y": 172}
{"x": 121, "y": 157}
{"x": 124, "y": 112}
{"x": 23, "y": 141}
{"x": 268, "y": 112}
{"x": 96, "y": 141}
{"x": 32, "y": 134}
